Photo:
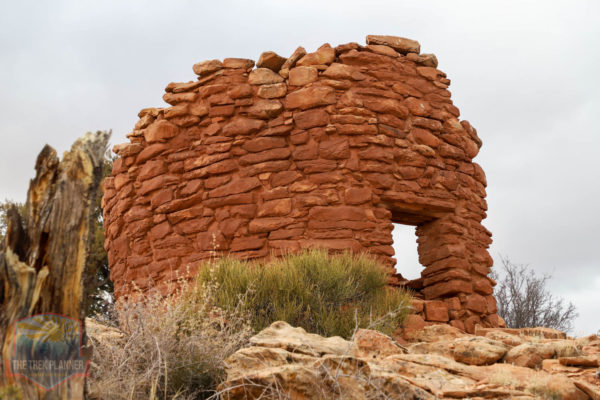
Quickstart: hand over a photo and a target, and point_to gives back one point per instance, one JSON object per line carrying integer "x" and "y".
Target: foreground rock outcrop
{"x": 323, "y": 149}
{"x": 440, "y": 363}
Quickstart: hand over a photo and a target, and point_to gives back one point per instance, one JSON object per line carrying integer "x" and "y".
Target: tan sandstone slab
{"x": 400, "y": 44}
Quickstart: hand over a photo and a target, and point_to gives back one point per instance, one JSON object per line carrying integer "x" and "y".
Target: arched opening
{"x": 405, "y": 247}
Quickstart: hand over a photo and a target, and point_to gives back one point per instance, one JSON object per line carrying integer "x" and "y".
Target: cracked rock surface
{"x": 440, "y": 363}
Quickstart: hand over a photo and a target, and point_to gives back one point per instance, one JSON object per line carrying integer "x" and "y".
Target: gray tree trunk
{"x": 43, "y": 261}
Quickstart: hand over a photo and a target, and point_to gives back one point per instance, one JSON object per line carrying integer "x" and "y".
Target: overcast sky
{"x": 524, "y": 73}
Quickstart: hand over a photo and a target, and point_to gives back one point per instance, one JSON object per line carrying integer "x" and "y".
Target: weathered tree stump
{"x": 43, "y": 261}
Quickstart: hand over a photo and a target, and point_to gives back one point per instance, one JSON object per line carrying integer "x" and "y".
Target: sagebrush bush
{"x": 167, "y": 348}
{"x": 330, "y": 295}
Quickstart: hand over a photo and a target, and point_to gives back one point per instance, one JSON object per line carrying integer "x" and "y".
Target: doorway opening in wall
{"x": 407, "y": 256}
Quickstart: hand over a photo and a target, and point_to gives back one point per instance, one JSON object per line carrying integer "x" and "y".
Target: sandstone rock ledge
{"x": 441, "y": 363}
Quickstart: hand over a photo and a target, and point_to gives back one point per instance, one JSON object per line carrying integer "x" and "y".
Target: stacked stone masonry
{"x": 324, "y": 149}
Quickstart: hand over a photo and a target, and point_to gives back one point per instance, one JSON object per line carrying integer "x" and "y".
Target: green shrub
{"x": 327, "y": 295}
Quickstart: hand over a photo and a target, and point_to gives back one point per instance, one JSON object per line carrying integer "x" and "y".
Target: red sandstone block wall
{"x": 324, "y": 149}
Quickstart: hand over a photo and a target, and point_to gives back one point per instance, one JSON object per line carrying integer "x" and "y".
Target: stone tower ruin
{"x": 325, "y": 149}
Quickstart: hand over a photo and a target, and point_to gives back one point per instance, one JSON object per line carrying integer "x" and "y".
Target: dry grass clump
{"x": 565, "y": 348}
{"x": 171, "y": 348}
{"x": 10, "y": 392}
{"x": 330, "y": 295}
{"x": 544, "y": 387}
{"x": 503, "y": 378}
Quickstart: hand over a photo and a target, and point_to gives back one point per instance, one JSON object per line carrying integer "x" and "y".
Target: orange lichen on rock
{"x": 323, "y": 149}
